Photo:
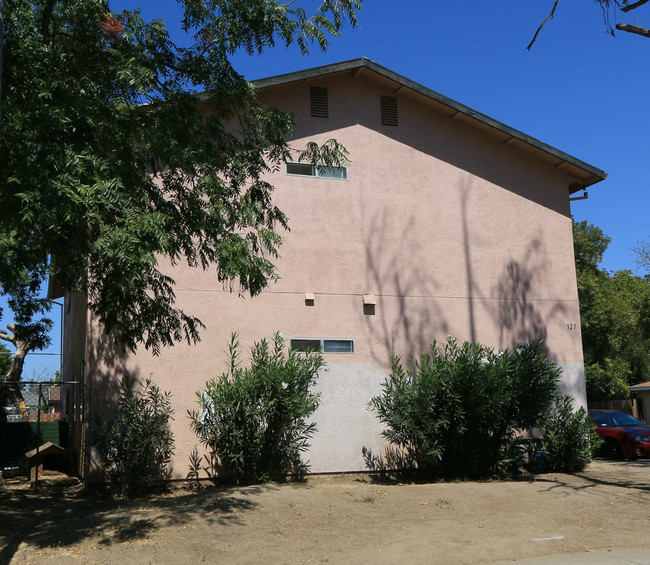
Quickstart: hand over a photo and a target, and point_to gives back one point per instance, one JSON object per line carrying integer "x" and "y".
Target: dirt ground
{"x": 335, "y": 519}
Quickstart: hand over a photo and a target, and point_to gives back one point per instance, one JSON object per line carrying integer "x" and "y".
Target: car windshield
{"x": 615, "y": 419}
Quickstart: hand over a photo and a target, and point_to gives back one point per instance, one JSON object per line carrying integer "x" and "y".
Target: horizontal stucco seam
{"x": 388, "y": 295}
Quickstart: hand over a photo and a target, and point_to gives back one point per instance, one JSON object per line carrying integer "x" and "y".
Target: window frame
{"x": 322, "y": 345}
{"x": 316, "y": 171}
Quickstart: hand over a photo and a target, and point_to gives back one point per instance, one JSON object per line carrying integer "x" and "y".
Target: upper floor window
{"x": 321, "y": 171}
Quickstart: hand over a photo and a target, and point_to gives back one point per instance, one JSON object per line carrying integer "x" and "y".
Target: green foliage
{"x": 254, "y": 420}
{"x": 5, "y": 361}
{"x": 135, "y": 448}
{"x": 615, "y": 317}
{"x": 569, "y": 438}
{"x": 458, "y": 410}
{"x": 589, "y": 245}
{"x": 608, "y": 379}
{"x": 121, "y": 149}
{"x": 30, "y": 328}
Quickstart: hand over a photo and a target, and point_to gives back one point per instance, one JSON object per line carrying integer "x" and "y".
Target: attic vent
{"x": 388, "y": 110}
{"x": 319, "y": 107}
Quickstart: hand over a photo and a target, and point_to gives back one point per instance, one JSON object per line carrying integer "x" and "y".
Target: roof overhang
{"x": 640, "y": 387}
{"x": 582, "y": 174}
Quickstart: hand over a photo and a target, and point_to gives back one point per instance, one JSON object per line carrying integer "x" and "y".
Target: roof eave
{"x": 591, "y": 175}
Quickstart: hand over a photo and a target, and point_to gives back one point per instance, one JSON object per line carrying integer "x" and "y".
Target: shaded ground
{"x": 337, "y": 519}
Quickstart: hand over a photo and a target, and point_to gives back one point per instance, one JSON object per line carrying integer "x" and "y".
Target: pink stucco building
{"x": 446, "y": 222}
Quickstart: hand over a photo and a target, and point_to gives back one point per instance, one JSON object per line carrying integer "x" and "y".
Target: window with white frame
{"x": 302, "y": 345}
{"x": 320, "y": 171}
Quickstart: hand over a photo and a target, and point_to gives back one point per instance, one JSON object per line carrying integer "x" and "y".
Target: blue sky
{"x": 578, "y": 89}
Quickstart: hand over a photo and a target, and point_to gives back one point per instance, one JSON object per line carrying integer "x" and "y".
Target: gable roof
{"x": 583, "y": 174}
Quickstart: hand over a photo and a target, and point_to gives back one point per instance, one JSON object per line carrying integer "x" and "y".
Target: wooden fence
{"x": 630, "y": 405}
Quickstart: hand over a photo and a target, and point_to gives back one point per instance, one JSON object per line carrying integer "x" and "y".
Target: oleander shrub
{"x": 569, "y": 438}
{"x": 458, "y": 410}
{"x": 255, "y": 421}
{"x": 136, "y": 446}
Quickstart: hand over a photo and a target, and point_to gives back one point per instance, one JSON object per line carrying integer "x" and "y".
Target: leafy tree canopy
{"x": 615, "y": 315}
{"x": 121, "y": 148}
{"x": 589, "y": 245}
{"x": 5, "y": 360}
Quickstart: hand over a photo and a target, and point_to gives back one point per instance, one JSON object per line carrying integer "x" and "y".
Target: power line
{"x": 29, "y": 354}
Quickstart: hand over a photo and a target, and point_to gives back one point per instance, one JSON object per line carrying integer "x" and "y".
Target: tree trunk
{"x": 16, "y": 370}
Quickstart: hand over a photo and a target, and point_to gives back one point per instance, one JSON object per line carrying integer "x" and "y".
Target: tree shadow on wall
{"x": 517, "y": 312}
{"x": 107, "y": 367}
{"x": 407, "y": 311}
{"x": 517, "y": 300}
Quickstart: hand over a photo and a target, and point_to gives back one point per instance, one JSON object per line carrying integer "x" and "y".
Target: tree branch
{"x": 5, "y": 336}
{"x": 47, "y": 16}
{"x": 552, "y": 12}
{"x": 634, "y": 6}
{"x": 642, "y": 251}
{"x": 645, "y": 32}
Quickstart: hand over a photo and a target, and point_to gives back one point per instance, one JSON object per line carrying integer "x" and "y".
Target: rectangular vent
{"x": 389, "y": 110}
{"x": 319, "y": 106}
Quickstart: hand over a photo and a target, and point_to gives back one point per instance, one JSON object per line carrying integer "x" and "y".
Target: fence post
{"x": 38, "y": 433}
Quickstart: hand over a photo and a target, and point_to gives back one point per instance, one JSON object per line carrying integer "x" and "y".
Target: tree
{"x": 610, "y": 9}
{"x": 26, "y": 333}
{"x": 5, "y": 359}
{"x": 123, "y": 150}
{"x": 642, "y": 251}
{"x": 615, "y": 316}
{"x": 6, "y": 392}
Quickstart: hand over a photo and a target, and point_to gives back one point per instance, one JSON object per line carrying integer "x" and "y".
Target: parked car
{"x": 623, "y": 435}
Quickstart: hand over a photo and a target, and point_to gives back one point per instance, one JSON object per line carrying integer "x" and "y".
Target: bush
{"x": 254, "y": 421}
{"x": 459, "y": 409}
{"x": 608, "y": 380}
{"x": 568, "y": 438}
{"x": 135, "y": 448}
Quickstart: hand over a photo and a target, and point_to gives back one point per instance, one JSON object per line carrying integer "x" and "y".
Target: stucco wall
{"x": 74, "y": 345}
{"x": 73, "y": 369}
{"x": 454, "y": 231}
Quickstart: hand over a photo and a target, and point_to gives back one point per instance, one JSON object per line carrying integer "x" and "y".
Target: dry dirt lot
{"x": 337, "y": 519}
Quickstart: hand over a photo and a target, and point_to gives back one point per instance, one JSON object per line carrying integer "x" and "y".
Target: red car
{"x": 623, "y": 435}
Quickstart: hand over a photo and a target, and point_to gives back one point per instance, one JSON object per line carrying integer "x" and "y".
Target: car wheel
{"x": 612, "y": 450}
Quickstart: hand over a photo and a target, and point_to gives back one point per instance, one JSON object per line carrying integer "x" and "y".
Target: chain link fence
{"x": 36, "y": 414}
